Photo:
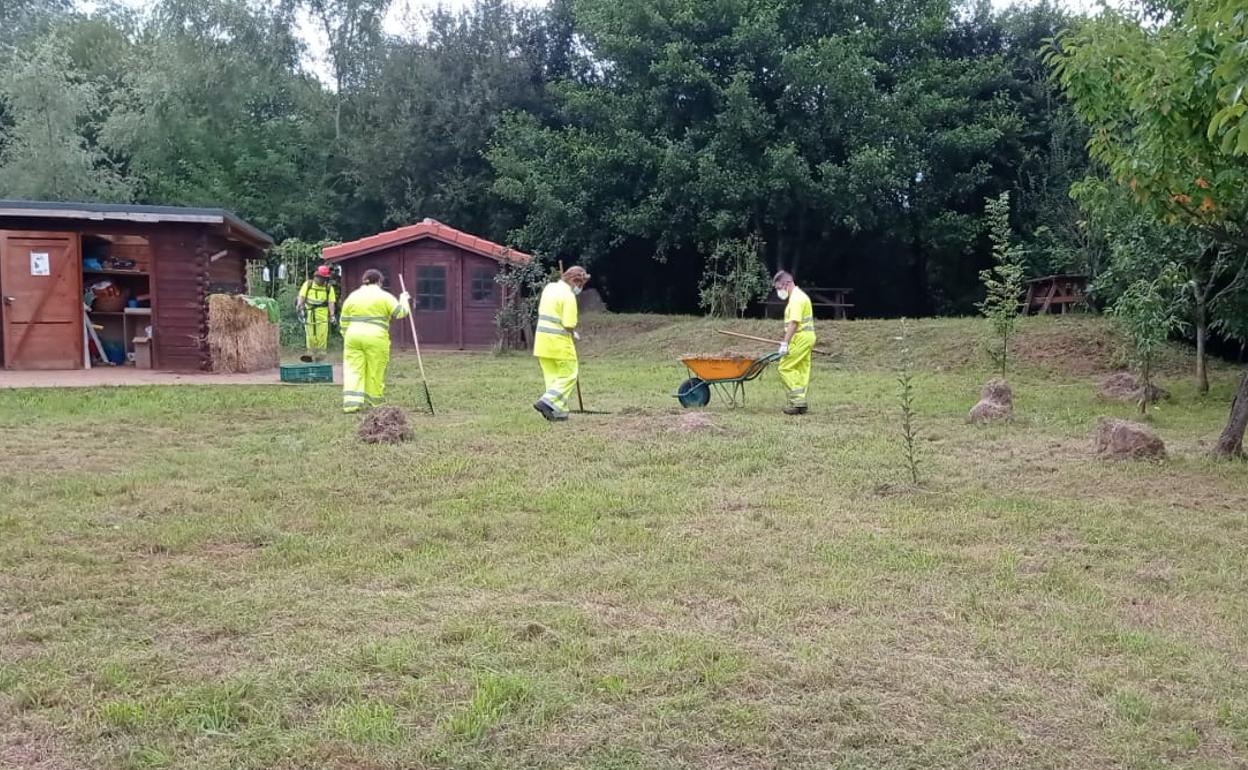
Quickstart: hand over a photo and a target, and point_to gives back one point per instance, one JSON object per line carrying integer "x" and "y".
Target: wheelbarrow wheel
{"x": 694, "y": 392}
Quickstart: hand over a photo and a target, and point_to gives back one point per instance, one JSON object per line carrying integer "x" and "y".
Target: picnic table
{"x": 834, "y": 299}
{"x": 1056, "y": 293}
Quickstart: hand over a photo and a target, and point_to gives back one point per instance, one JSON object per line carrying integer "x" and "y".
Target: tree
{"x": 214, "y": 112}
{"x": 1003, "y": 283}
{"x": 1165, "y": 103}
{"x": 735, "y": 277}
{"x": 352, "y": 29}
{"x": 46, "y": 154}
{"x": 1147, "y": 314}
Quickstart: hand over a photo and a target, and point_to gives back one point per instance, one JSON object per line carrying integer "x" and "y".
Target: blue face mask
{"x": 576, "y": 289}
{"x": 782, "y": 293}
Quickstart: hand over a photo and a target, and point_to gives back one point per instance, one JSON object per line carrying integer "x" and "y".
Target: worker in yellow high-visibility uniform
{"x": 554, "y": 342}
{"x": 366, "y": 316}
{"x": 316, "y": 305}
{"x": 799, "y": 341}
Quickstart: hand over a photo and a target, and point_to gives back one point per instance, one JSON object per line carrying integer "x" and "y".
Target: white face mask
{"x": 576, "y": 289}
{"x": 782, "y": 293}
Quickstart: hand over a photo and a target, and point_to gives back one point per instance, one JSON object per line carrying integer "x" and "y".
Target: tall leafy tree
{"x": 352, "y": 29}
{"x": 1165, "y": 103}
{"x": 46, "y": 154}
{"x": 217, "y": 112}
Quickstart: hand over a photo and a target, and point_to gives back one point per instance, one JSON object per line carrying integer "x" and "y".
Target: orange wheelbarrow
{"x": 726, "y": 375}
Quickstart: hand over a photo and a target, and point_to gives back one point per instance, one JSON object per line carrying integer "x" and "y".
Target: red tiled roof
{"x": 429, "y": 228}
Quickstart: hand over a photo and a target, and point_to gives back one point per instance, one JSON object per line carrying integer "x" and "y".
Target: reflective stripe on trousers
{"x": 560, "y": 375}
{"x": 364, "y": 362}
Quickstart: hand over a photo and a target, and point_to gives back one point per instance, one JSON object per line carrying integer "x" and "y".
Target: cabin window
{"x": 482, "y": 285}
{"x": 431, "y": 287}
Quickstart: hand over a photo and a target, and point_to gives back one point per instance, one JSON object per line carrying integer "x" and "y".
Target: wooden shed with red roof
{"x": 449, "y": 273}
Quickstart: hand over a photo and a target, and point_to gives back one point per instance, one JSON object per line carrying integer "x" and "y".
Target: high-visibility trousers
{"x": 794, "y": 368}
{"x": 560, "y": 375}
{"x": 316, "y": 330}
{"x": 364, "y": 361}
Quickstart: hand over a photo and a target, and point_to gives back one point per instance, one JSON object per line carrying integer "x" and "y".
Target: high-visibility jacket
{"x": 800, "y": 311}
{"x": 368, "y": 311}
{"x": 556, "y": 318}
{"x": 316, "y": 295}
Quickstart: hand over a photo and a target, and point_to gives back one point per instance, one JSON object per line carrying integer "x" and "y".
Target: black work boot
{"x": 546, "y": 410}
{"x": 795, "y": 410}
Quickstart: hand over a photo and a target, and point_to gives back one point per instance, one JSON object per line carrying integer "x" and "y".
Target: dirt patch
{"x": 31, "y": 751}
{"x": 696, "y": 422}
{"x": 386, "y": 425}
{"x": 1123, "y": 440}
{"x": 996, "y": 402}
{"x": 1125, "y": 386}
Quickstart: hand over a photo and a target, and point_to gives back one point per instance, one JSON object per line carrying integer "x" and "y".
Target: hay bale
{"x": 1125, "y": 386}
{"x": 240, "y": 336}
{"x": 996, "y": 402}
{"x": 1124, "y": 440}
{"x": 385, "y": 425}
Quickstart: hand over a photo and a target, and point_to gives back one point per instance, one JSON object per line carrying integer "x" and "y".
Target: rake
{"x": 424, "y": 383}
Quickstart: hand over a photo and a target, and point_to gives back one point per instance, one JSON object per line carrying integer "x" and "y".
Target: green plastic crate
{"x": 307, "y": 372}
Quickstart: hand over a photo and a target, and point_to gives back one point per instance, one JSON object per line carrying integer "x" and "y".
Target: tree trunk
{"x": 1231, "y": 442}
{"x": 1202, "y": 356}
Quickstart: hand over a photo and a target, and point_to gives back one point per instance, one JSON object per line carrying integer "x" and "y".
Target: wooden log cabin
{"x": 449, "y": 273}
{"x": 153, "y": 265}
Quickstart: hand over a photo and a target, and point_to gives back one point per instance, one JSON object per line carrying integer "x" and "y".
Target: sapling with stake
{"x": 1003, "y": 282}
{"x": 905, "y": 399}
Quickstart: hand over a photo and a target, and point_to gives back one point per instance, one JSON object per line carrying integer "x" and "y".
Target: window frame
{"x": 481, "y": 271}
{"x": 422, "y": 283}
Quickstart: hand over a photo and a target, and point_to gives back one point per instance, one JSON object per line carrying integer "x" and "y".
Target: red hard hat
{"x": 323, "y": 271}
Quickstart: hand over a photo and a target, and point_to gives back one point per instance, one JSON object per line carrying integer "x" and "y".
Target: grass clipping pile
{"x": 241, "y": 338}
{"x": 385, "y": 425}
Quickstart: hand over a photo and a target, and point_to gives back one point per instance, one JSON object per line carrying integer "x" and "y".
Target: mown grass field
{"x": 202, "y": 577}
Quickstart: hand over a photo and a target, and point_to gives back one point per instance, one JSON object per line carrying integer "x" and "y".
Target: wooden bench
{"x": 834, "y": 299}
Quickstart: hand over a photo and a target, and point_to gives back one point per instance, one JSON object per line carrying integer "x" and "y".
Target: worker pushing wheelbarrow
{"x": 728, "y": 374}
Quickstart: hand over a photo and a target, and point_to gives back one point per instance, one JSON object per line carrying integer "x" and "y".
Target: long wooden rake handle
{"x": 820, "y": 351}
{"x": 411, "y": 319}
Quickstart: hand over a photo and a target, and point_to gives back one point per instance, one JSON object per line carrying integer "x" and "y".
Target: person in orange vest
{"x": 316, "y": 305}
{"x": 554, "y": 342}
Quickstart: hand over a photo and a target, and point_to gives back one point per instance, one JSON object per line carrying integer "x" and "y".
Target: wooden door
{"x": 434, "y": 286}
{"x": 41, "y": 300}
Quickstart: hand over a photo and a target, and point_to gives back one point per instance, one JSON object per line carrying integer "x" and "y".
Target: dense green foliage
{"x": 852, "y": 142}
{"x": 1165, "y": 95}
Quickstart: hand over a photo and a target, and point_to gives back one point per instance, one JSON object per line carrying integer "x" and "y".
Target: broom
{"x": 424, "y": 383}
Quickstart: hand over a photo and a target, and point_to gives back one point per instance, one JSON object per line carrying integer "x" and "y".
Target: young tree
{"x": 735, "y": 276}
{"x": 1146, "y": 311}
{"x": 45, "y": 154}
{"x": 1003, "y": 282}
{"x": 1167, "y": 106}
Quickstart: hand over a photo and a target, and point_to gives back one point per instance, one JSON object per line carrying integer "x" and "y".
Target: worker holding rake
{"x": 554, "y": 342}
{"x": 366, "y": 316}
{"x": 798, "y": 342}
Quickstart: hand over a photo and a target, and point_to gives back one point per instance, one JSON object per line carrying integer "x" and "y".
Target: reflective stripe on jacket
{"x": 369, "y": 310}
{"x": 556, "y": 318}
{"x": 316, "y": 296}
{"x": 800, "y": 311}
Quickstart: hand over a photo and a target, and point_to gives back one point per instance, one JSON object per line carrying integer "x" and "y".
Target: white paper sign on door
{"x": 40, "y": 264}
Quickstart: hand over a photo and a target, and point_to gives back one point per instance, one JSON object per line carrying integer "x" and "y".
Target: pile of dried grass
{"x": 385, "y": 425}
{"x": 240, "y": 336}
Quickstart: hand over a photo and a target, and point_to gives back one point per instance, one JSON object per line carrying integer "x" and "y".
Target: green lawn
{"x": 201, "y": 577}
